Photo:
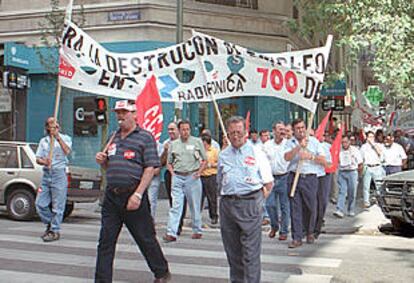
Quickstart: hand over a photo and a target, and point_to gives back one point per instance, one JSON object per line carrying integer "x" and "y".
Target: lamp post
{"x": 178, "y": 106}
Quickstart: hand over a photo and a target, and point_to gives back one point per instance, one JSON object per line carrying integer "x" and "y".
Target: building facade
{"x": 130, "y": 26}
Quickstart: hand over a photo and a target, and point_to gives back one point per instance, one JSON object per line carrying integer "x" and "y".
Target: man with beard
{"x": 130, "y": 161}
{"x": 395, "y": 157}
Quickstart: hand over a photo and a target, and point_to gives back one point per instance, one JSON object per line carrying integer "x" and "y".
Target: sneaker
{"x": 51, "y": 236}
{"x": 338, "y": 214}
{"x": 169, "y": 239}
{"x": 351, "y": 214}
{"x": 367, "y": 205}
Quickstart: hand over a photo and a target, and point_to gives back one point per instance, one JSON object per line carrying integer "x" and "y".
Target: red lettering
{"x": 264, "y": 78}
{"x": 276, "y": 85}
{"x": 291, "y": 82}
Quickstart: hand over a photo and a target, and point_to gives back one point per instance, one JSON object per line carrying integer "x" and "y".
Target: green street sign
{"x": 374, "y": 95}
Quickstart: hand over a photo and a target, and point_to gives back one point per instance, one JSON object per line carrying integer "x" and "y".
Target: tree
{"x": 383, "y": 29}
{"x": 51, "y": 31}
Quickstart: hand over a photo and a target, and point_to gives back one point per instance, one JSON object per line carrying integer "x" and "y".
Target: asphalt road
{"x": 351, "y": 250}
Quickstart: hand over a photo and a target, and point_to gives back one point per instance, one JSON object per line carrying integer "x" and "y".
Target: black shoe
{"x": 51, "y": 236}
{"x": 165, "y": 278}
{"x": 214, "y": 221}
{"x": 46, "y": 231}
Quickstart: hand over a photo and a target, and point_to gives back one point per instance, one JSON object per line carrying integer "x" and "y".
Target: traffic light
{"x": 100, "y": 111}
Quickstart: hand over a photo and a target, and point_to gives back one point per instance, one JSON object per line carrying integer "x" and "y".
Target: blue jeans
{"x": 279, "y": 197}
{"x": 371, "y": 173}
{"x": 348, "y": 183}
{"x": 153, "y": 190}
{"x": 190, "y": 188}
{"x": 54, "y": 190}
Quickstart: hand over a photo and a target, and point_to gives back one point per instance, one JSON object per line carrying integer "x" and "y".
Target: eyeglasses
{"x": 234, "y": 133}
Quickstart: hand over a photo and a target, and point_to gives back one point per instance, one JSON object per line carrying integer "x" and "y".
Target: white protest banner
{"x": 209, "y": 66}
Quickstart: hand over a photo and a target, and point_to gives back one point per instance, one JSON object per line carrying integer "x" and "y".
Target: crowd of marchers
{"x": 248, "y": 182}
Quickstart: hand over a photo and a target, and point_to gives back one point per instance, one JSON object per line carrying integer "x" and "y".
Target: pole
{"x": 178, "y": 106}
{"x": 300, "y": 163}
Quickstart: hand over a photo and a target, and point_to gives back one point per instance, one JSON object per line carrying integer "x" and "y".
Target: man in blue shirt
{"x": 54, "y": 181}
{"x": 245, "y": 179}
{"x": 304, "y": 203}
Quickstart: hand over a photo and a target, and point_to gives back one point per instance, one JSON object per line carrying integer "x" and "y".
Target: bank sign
{"x": 17, "y": 55}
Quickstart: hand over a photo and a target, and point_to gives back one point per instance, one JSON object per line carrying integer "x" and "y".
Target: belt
{"x": 280, "y": 175}
{"x": 250, "y": 195}
{"x": 393, "y": 166}
{"x": 373, "y": 165}
{"x": 184, "y": 173}
{"x": 119, "y": 191}
{"x": 304, "y": 175}
{"x": 347, "y": 170}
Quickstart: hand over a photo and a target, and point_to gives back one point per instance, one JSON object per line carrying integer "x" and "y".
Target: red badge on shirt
{"x": 249, "y": 160}
{"x": 129, "y": 154}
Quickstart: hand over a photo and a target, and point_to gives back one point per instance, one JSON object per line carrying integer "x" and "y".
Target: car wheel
{"x": 21, "y": 205}
{"x": 68, "y": 209}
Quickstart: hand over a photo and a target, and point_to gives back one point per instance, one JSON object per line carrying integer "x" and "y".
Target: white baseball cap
{"x": 124, "y": 105}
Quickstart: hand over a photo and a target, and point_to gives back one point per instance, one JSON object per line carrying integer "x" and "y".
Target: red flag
{"x": 335, "y": 149}
{"x": 149, "y": 109}
{"x": 321, "y": 128}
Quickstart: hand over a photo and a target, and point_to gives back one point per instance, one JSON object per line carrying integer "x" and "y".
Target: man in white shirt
{"x": 274, "y": 150}
{"x": 395, "y": 157}
{"x": 350, "y": 162}
{"x": 372, "y": 155}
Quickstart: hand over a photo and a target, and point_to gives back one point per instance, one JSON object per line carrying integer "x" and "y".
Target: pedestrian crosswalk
{"x": 24, "y": 257}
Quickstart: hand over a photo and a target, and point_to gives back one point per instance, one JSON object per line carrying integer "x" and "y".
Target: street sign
{"x": 374, "y": 95}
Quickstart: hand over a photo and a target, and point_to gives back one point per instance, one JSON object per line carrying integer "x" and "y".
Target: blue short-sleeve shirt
{"x": 308, "y": 166}
{"x": 59, "y": 159}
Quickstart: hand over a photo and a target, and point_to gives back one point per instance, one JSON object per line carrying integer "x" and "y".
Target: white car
{"x": 20, "y": 178}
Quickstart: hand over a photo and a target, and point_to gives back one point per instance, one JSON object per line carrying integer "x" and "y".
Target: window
{"x": 25, "y": 160}
{"x": 8, "y": 157}
{"x": 251, "y": 4}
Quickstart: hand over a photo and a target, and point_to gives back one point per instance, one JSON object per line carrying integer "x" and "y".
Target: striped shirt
{"x": 128, "y": 157}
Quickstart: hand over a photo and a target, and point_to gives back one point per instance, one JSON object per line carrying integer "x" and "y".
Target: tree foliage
{"x": 381, "y": 29}
{"x": 51, "y": 28}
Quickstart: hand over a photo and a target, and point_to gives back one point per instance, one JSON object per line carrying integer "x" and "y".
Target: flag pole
{"x": 213, "y": 99}
{"x": 68, "y": 16}
{"x": 296, "y": 179}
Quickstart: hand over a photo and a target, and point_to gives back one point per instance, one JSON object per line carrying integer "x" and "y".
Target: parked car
{"x": 20, "y": 178}
{"x": 396, "y": 198}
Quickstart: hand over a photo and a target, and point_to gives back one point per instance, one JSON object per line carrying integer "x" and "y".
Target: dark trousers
{"x": 392, "y": 169}
{"x": 167, "y": 180}
{"x": 303, "y": 205}
{"x": 140, "y": 225}
{"x": 325, "y": 185}
{"x": 210, "y": 190}
{"x": 240, "y": 225}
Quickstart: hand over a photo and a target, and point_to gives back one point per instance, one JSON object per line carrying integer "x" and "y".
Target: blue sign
{"x": 16, "y": 55}
{"x": 339, "y": 89}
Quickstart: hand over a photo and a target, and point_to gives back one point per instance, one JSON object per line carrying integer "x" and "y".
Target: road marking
{"x": 172, "y": 251}
{"x": 206, "y": 271}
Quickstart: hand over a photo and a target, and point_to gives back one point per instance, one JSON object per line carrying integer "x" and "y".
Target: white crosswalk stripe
{"x": 189, "y": 260}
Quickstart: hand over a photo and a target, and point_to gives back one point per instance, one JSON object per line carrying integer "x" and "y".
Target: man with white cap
{"x": 130, "y": 161}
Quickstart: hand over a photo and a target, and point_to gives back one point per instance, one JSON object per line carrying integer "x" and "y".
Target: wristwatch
{"x": 138, "y": 195}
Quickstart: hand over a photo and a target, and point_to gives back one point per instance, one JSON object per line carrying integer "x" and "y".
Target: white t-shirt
{"x": 275, "y": 154}
{"x": 370, "y": 155}
{"x": 349, "y": 159}
{"x": 394, "y": 155}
